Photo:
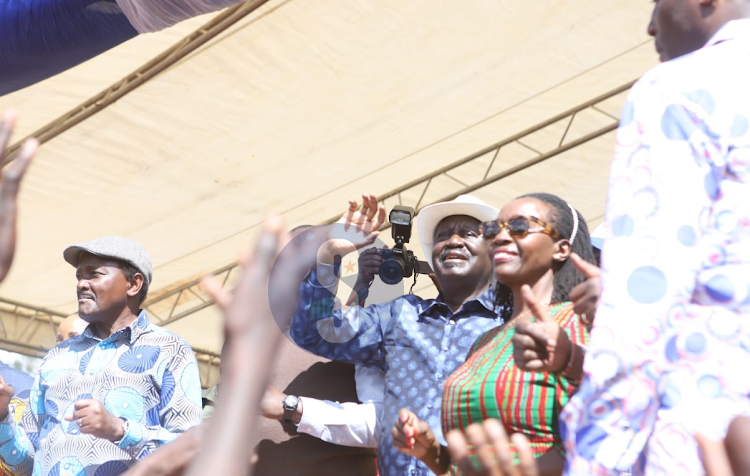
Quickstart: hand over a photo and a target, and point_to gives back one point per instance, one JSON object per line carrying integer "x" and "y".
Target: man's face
{"x": 459, "y": 251}
{"x": 102, "y": 288}
{"x": 679, "y": 27}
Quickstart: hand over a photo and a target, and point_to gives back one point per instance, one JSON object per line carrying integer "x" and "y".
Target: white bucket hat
{"x": 429, "y": 218}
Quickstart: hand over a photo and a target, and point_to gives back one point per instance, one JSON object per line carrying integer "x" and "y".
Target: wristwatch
{"x": 290, "y": 404}
{"x": 125, "y": 429}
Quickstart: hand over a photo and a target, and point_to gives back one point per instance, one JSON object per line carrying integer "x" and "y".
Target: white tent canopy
{"x": 300, "y": 106}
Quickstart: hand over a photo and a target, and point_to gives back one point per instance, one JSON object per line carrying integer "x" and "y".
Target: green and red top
{"x": 489, "y": 385}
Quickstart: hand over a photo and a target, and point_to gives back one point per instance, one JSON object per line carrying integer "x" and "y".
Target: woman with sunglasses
{"x": 531, "y": 243}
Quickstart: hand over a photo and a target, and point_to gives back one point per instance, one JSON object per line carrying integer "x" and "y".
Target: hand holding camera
{"x": 369, "y": 265}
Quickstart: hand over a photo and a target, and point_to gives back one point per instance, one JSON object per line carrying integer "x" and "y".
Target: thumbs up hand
{"x": 585, "y": 296}
{"x": 540, "y": 346}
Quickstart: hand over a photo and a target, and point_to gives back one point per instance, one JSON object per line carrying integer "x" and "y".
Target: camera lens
{"x": 390, "y": 271}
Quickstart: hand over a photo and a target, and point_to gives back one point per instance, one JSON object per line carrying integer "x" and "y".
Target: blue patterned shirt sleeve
{"x": 17, "y": 447}
{"x": 177, "y": 412}
{"x": 319, "y": 326}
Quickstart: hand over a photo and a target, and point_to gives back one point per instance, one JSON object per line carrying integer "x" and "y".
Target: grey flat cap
{"x": 115, "y": 247}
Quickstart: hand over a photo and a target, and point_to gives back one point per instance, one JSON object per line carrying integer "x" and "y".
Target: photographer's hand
{"x": 368, "y": 266}
{"x": 360, "y": 228}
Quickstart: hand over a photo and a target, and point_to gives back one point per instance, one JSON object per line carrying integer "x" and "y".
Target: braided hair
{"x": 566, "y": 276}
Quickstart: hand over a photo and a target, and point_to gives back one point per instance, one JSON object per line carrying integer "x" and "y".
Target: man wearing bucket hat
{"x": 115, "y": 393}
{"x": 416, "y": 342}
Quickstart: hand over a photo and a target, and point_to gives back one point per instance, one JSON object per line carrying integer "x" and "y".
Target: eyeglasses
{"x": 518, "y": 227}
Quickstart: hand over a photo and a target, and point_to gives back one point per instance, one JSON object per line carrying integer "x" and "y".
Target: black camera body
{"x": 399, "y": 262}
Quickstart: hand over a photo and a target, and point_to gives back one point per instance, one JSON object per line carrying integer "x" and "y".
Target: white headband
{"x": 575, "y": 224}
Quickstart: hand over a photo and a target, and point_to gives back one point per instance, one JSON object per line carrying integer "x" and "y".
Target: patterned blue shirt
{"x": 417, "y": 342}
{"x": 142, "y": 373}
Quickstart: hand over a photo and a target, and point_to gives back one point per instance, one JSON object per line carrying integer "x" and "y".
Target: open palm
{"x": 358, "y": 228}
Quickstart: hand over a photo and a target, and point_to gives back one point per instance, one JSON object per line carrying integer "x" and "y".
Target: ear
{"x": 563, "y": 248}
{"x": 135, "y": 284}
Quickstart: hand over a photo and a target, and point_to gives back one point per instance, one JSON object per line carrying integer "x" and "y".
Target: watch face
{"x": 290, "y": 403}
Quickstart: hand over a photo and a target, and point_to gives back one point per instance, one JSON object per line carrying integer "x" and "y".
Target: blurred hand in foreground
{"x": 10, "y": 184}
{"x": 252, "y": 338}
{"x": 494, "y": 456}
{"x": 730, "y": 457}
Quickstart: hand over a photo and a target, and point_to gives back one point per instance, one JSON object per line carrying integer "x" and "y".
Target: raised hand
{"x": 493, "y": 451}
{"x": 586, "y": 294}
{"x": 415, "y": 438}
{"x": 9, "y": 187}
{"x": 6, "y": 395}
{"x": 360, "y": 228}
{"x": 172, "y": 458}
{"x": 94, "y": 419}
{"x": 252, "y": 339}
{"x": 541, "y": 345}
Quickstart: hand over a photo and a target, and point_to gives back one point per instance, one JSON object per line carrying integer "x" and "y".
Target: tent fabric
{"x": 303, "y": 105}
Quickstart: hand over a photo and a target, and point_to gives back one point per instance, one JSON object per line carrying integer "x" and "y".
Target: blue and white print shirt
{"x": 142, "y": 373}
{"x": 676, "y": 261}
{"x": 417, "y": 342}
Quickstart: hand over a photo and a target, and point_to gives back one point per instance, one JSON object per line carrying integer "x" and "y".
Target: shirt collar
{"x": 733, "y": 30}
{"x": 133, "y": 331}
{"x": 486, "y": 300}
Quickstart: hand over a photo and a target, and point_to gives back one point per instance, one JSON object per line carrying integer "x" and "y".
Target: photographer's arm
{"x": 319, "y": 325}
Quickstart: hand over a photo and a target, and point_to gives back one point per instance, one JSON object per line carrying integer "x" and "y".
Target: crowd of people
{"x": 533, "y": 359}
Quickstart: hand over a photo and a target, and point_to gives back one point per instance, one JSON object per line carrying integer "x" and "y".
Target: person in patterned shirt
{"x": 416, "y": 342}
{"x": 112, "y": 395}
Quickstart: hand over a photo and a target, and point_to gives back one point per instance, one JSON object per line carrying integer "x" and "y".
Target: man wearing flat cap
{"x": 112, "y": 395}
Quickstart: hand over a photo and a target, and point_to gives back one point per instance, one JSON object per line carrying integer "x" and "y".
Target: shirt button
{"x": 438, "y": 375}
{"x": 451, "y": 322}
{"x": 446, "y": 348}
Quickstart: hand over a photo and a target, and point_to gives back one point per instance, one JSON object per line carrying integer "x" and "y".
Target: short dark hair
{"x": 566, "y": 274}
{"x": 129, "y": 271}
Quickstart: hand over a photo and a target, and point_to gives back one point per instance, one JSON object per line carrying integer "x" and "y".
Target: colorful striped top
{"x": 489, "y": 385}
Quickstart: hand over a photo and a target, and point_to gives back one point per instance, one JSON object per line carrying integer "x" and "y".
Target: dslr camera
{"x": 399, "y": 262}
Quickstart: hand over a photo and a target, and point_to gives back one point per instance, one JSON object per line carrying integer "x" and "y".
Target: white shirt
{"x": 348, "y": 424}
{"x": 672, "y": 332}
{"x": 678, "y": 239}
